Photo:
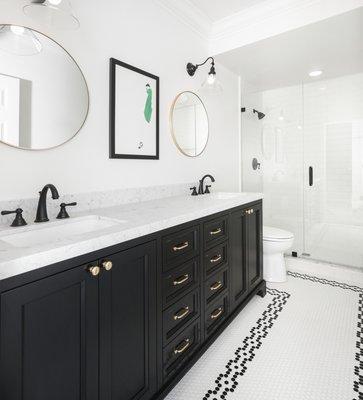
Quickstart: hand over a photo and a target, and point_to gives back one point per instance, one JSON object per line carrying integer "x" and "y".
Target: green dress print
{"x": 148, "y": 105}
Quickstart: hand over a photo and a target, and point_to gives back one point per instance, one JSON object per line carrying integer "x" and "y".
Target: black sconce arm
{"x": 191, "y": 68}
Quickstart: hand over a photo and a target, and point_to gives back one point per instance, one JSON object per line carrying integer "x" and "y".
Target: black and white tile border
{"x": 358, "y": 368}
{"x": 236, "y": 367}
{"x": 325, "y": 281}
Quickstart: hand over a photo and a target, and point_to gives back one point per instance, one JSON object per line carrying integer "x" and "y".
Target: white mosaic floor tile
{"x": 299, "y": 342}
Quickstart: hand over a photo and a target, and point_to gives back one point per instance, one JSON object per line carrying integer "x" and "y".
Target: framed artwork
{"x": 134, "y": 112}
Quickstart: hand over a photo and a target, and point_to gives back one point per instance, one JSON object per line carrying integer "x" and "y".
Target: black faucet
{"x": 42, "y": 215}
{"x": 201, "y": 184}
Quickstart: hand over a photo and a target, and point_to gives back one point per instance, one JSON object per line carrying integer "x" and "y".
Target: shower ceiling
{"x": 334, "y": 46}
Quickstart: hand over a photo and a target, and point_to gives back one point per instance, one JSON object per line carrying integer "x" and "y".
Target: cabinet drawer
{"x": 179, "y": 281}
{"x": 215, "y": 231}
{"x": 177, "y": 316}
{"x": 215, "y": 258}
{"x": 215, "y": 285}
{"x": 216, "y": 314}
{"x": 180, "y": 247}
{"x": 180, "y": 349}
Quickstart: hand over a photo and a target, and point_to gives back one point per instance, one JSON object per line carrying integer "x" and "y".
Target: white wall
{"x": 143, "y": 34}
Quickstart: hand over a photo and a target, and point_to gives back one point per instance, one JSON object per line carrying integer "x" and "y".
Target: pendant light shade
{"x": 211, "y": 84}
{"x": 56, "y": 14}
{"x": 19, "y": 41}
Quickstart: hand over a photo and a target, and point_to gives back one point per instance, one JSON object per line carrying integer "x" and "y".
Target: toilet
{"x": 275, "y": 243}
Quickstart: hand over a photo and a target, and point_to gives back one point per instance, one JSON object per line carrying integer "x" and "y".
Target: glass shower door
{"x": 333, "y": 170}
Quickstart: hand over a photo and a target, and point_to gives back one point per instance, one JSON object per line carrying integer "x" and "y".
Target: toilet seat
{"x": 271, "y": 234}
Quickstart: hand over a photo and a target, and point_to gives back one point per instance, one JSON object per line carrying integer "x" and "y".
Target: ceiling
{"x": 218, "y": 9}
{"x": 333, "y": 45}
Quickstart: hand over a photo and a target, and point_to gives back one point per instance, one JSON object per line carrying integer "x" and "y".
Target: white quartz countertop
{"x": 129, "y": 221}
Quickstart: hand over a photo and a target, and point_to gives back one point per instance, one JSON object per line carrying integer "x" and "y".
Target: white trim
{"x": 190, "y": 15}
{"x": 273, "y": 18}
{"x": 257, "y": 22}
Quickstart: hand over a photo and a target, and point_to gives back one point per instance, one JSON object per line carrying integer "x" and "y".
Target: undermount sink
{"x": 52, "y": 232}
{"x": 224, "y": 195}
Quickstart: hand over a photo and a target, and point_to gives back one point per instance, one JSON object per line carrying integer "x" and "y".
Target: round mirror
{"x": 189, "y": 124}
{"x": 43, "y": 94}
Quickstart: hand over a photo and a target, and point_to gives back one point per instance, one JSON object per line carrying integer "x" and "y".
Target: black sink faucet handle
{"x": 19, "y": 220}
{"x": 63, "y": 212}
{"x": 207, "y": 191}
{"x": 194, "y": 191}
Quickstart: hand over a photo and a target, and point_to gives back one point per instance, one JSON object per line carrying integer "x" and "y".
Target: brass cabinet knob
{"x": 107, "y": 265}
{"x": 94, "y": 270}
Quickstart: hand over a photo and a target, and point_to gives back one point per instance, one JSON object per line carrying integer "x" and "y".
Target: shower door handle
{"x": 311, "y": 176}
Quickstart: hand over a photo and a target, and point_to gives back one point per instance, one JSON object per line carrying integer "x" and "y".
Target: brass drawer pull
{"x": 94, "y": 270}
{"x": 216, "y": 286}
{"x": 216, "y": 232}
{"x": 181, "y": 313}
{"x": 181, "y": 280}
{"x": 217, "y": 313}
{"x": 216, "y": 258}
{"x": 181, "y": 246}
{"x": 182, "y": 346}
{"x": 107, "y": 265}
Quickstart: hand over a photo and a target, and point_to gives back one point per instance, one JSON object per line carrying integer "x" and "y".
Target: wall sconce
{"x": 211, "y": 83}
{"x": 56, "y": 14}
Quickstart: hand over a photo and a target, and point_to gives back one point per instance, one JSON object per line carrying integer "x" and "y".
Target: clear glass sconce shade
{"x": 56, "y": 14}
{"x": 19, "y": 41}
{"x": 212, "y": 85}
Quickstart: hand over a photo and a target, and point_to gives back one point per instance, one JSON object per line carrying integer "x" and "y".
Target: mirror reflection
{"x": 43, "y": 93}
{"x": 190, "y": 126}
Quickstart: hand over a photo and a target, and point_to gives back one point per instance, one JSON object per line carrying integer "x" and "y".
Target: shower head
{"x": 259, "y": 114}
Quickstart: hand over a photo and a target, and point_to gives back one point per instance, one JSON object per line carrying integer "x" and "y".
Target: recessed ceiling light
{"x": 313, "y": 74}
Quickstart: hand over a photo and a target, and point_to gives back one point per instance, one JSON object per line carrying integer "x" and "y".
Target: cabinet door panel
{"x": 49, "y": 339}
{"x": 128, "y": 325}
{"x": 254, "y": 247}
{"x": 238, "y": 240}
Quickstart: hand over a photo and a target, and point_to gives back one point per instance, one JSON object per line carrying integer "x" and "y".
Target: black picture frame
{"x": 114, "y": 63}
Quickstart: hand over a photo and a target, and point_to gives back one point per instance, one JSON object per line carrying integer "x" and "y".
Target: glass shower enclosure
{"x": 310, "y": 146}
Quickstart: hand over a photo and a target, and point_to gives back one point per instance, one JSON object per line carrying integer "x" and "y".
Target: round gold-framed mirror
{"x": 189, "y": 124}
{"x": 44, "y": 97}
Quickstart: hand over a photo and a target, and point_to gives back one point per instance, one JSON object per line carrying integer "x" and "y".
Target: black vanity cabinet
{"x": 128, "y": 324}
{"x": 128, "y": 321}
{"x": 246, "y": 251}
{"x": 49, "y": 339}
{"x": 82, "y": 332}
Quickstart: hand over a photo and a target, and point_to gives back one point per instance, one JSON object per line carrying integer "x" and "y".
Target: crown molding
{"x": 272, "y": 18}
{"x": 254, "y": 23}
{"x": 190, "y": 15}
